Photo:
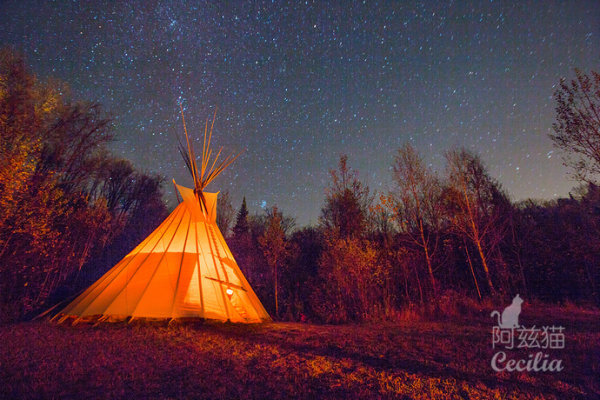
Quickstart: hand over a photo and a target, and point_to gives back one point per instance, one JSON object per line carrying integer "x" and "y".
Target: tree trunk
{"x": 472, "y": 271}
{"x": 276, "y": 300}
{"x": 419, "y": 284}
{"x": 405, "y": 273}
{"x": 477, "y": 240}
{"x": 425, "y": 246}
{"x": 430, "y": 270}
{"x": 485, "y": 266}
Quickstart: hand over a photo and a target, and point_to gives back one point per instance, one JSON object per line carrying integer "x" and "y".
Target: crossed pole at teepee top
{"x": 205, "y": 175}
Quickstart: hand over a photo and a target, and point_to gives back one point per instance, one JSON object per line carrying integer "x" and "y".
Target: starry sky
{"x": 297, "y": 84}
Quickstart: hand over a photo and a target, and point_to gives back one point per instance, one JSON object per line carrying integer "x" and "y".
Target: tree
{"x": 307, "y": 246}
{"x": 577, "y": 126}
{"x": 224, "y": 213}
{"x": 137, "y": 209}
{"x": 351, "y": 281}
{"x": 384, "y": 230}
{"x": 476, "y": 206}
{"x": 58, "y": 202}
{"x": 275, "y": 248}
{"x": 346, "y": 204}
{"x": 244, "y": 247}
{"x": 416, "y": 204}
{"x": 560, "y": 247}
{"x": 241, "y": 226}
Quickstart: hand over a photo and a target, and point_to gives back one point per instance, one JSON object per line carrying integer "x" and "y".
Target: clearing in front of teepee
{"x": 411, "y": 359}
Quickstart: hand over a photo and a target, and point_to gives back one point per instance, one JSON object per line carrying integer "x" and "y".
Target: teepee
{"x": 184, "y": 269}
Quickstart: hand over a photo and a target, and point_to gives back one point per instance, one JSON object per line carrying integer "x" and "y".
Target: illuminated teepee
{"x": 183, "y": 269}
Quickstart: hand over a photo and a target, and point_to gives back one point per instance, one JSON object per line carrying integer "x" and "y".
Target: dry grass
{"x": 408, "y": 360}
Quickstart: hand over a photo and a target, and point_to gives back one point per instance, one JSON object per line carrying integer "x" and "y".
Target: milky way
{"x": 297, "y": 85}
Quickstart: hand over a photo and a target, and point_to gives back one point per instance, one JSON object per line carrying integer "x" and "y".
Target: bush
{"x": 350, "y": 282}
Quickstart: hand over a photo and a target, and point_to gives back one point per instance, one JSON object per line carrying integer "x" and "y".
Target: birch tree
{"x": 416, "y": 204}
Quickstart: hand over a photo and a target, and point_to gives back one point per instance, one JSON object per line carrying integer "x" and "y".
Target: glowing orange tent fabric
{"x": 183, "y": 269}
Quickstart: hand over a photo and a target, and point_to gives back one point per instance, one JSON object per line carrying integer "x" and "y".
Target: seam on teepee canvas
{"x": 181, "y": 265}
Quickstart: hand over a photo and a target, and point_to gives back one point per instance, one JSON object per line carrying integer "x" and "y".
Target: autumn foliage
{"x": 436, "y": 241}
{"x": 63, "y": 197}
{"x": 435, "y": 244}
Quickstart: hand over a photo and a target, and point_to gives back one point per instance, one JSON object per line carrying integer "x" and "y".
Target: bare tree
{"x": 475, "y": 204}
{"x": 577, "y": 127}
{"x": 416, "y": 204}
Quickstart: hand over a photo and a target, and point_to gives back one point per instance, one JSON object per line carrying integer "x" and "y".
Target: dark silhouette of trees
{"x": 577, "y": 127}
{"x": 242, "y": 247}
{"x": 275, "y": 248}
{"x": 477, "y": 209}
{"x": 241, "y": 226}
{"x": 486, "y": 246}
{"x": 346, "y": 204}
{"x": 562, "y": 252}
{"x": 416, "y": 204}
{"x": 69, "y": 210}
{"x": 225, "y": 213}
{"x": 59, "y": 203}
{"x": 301, "y": 273}
{"x": 350, "y": 278}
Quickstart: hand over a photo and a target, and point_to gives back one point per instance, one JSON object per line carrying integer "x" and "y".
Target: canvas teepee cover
{"x": 183, "y": 269}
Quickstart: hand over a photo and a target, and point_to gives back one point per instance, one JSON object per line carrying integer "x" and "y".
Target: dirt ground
{"x": 403, "y": 360}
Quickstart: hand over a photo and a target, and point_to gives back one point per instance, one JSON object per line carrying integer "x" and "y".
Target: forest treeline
{"x": 67, "y": 205}
{"x": 439, "y": 241}
{"x": 69, "y": 210}
{"x": 433, "y": 244}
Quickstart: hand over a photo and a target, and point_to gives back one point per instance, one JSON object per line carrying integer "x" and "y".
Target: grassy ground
{"x": 407, "y": 360}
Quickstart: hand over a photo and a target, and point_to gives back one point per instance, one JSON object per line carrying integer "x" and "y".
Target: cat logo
{"x": 514, "y": 338}
{"x": 510, "y": 315}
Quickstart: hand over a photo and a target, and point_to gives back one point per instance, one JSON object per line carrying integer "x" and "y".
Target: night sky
{"x": 296, "y": 85}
